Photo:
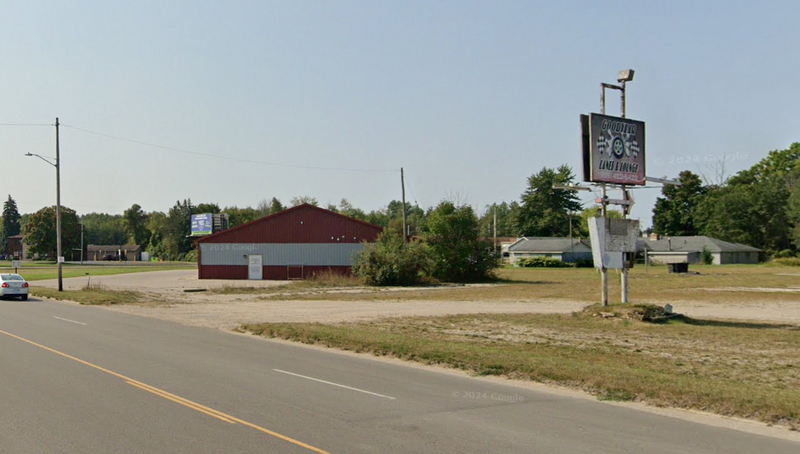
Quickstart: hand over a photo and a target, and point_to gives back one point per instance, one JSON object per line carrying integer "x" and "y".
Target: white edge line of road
{"x": 334, "y": 384}
{"x": 750, "y": 426}
{"x": 68, "y": 320}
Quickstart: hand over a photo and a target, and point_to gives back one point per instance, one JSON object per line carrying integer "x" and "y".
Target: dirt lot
{"x": 763, "y": 293}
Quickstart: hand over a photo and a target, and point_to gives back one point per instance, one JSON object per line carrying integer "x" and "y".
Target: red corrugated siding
{"x": 222, "y": 272}
{"x": 302, "y": 224}
{"x": 270, "y": 272}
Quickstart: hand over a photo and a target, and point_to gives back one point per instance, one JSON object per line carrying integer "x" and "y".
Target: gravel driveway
{"x": 227, "y": 311}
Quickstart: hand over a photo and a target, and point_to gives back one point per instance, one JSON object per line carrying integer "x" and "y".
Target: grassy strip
{"x": 710, "y": 284}
{"x": 787, "y": 261}
{"x": 91, "y": 296}
{"x": 325, "y": 280}
{"x": 739, "y": 369}
{"x": 41, "y": 272}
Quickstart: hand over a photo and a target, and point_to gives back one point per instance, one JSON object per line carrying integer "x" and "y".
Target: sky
{"x": 235, "y": 102}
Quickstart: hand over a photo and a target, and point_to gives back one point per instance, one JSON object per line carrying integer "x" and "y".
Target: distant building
{"x": 114, "y": 252}
{"x": 16, "y": 247}
{"x": 689, "y": 249}
{"x": 502, "y": 244}
{"x": 293, "y": 244}
{"x": 564, "y": 249}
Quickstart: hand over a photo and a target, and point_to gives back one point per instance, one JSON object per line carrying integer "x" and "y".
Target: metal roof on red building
{"x": 301, "y": 224}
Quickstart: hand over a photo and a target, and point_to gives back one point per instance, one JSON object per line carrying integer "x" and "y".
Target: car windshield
{"x": 11, "y": 277}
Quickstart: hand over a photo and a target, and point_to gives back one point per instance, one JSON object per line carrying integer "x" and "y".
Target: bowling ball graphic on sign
{"x": 617, "y": 147}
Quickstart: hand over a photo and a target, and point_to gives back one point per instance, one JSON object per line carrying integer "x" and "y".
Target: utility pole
{"x": 494, "y": 229}
{"x": 403, "y": 188}
{"x": 571, "y": 241}
{"x": 59, "y": 258}
{"x": 81, "y": 243}
{"x": 57, "y": 165}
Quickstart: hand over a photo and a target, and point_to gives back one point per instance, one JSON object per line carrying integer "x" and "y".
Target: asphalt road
{"x": 79, "y": 379}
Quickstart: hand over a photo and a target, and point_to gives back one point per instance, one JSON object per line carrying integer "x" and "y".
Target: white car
{"x": 13, "y": 285}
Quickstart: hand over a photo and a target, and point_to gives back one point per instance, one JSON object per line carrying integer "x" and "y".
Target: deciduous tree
{"x": 674, "y": 213}
{"x": 458, "y": 252}
{"x": 103, "y": 228}
{"x": 301, "y": 199}
{"x": 40, "y": 232}
{"x": 134, "y": 220}
{"x": 544, "y": 209}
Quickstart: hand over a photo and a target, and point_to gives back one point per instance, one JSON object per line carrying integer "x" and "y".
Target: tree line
{"x": 759, "y": 206}
{"x": 542, "y": 211}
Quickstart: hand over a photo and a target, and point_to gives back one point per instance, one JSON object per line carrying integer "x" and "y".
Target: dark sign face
{"x": 613, "y": 149}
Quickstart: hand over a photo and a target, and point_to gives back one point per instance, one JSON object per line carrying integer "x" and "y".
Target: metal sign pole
{"x": 603, "y": 270}
{"x": 624, "y": 274}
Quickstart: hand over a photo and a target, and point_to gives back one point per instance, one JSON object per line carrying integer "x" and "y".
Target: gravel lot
{"x": 227, "y": 311}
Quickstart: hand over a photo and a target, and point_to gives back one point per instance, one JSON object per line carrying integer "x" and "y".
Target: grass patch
{"x": 787, "y": 261}
{"x": 748, "y": 370}
{"x": 42, "y": 271}
{"x": 708, "y": 283}
{"x": 325, "y": 280}
{"x": 90, "y": 296}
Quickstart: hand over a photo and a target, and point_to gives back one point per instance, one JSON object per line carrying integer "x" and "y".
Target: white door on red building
{"x": 255, "y": 267}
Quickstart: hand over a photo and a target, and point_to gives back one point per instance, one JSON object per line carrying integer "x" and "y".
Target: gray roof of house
{"x": 696, "y": 243}
{"x": 549, "y": 244}
{"x": 113, "y": 247}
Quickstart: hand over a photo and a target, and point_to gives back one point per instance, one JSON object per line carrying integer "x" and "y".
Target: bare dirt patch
{"x": 232, "y": 313}
{"x": 714, "y": 293}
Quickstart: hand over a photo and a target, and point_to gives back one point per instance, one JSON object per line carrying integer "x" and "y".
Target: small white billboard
{"x": 611, "y": 239}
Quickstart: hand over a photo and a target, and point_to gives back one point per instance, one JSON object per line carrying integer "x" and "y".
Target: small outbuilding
{"x": 115, "y": 252}
{"x": 689, "y": 249}
{"x": 293, "y": 244}
{"x": 565, "y": 249}
{"x": 16, "y": 248}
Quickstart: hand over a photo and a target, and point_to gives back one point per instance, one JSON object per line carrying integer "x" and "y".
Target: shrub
{"x": 457, "y": 251}
{"x": 583, "y": 263}
{"x": 787, "y": 261}
{"x": 783, "y": 254}
{"x": 707, "y": 257}
{"x": 331, "y": 278}
{"x": 542, "y": 262}
{"x": 391, "y": 261}
{"x": 190, "y": 256}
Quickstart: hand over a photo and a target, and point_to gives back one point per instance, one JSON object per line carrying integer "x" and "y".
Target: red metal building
{"x": 293, "y": 244}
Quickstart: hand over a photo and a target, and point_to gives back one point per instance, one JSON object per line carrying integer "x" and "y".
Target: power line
{"x": 217, "y": 156}
{"x": 26, "y": 124}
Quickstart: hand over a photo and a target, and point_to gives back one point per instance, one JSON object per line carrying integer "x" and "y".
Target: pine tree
{"x": 10, "y": 217}
{"x": 10, "y": 222}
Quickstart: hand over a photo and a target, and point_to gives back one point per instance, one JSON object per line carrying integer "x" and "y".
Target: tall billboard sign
{"x": 613, "y": 150}
{"x": 202, "y": 224}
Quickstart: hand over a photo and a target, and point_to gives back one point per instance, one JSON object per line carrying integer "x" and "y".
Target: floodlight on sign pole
{"x": 626, "y": 75}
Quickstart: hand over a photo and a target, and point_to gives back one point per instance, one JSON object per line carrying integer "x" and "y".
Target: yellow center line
{"x": 172, "y": 397}
{"x": 183, "y": 402}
